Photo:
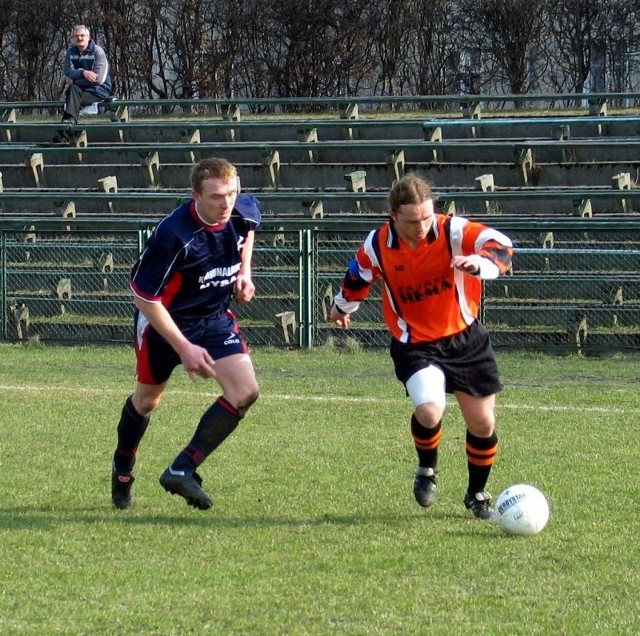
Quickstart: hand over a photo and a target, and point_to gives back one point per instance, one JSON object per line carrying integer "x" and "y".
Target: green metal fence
{"x": 575, "y": 285}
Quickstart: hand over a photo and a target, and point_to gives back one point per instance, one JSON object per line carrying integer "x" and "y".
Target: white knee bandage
{"x": 427, "y": 386}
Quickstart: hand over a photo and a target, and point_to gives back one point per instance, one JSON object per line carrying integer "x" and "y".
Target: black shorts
{"x": 466, "y": 359}
{"x": 156, "y": 358}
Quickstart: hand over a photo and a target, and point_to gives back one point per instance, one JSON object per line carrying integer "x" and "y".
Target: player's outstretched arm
{"x": 339, "y": 318}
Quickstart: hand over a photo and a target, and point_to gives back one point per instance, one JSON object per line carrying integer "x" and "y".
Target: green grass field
{"x": 314, "y": 528}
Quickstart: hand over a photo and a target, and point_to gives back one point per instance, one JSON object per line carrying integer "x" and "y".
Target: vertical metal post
{"x": 3, "y": 274}
{"x": 143, "y": 236}
{"x": 305, "y": 289}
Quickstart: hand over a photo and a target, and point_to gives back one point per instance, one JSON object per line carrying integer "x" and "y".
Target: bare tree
{"x": 432, "y": 65}
{"x": 7, "y": 10}
{"x": 572, "y": 27}
{"x": 393, "y": 27}
{"x": 509, "y": 32}
{"x": 303, "y": 35}
{"x": 621, "y": 29}
{"x": 123, "y": 33}
{"x": 222, "y": 39}
{"x": 36, "y": 49}
{"x": 310, "y": 48}
{"x": 316, "y": 48}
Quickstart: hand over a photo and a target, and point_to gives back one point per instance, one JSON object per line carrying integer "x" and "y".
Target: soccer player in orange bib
{"x": 431, "y": 267}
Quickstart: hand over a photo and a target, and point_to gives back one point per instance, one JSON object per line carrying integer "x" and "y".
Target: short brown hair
{"x": 211, "y": 168}
{"x": 412, "y": 188}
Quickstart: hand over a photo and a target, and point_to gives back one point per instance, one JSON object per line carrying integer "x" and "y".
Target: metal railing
{"x": 574, "y": 286}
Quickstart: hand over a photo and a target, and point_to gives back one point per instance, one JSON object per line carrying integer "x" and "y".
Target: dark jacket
{"x": 93, "y": 58}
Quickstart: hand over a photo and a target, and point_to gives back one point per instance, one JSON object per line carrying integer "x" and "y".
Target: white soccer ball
{"x": 521, "y": 510}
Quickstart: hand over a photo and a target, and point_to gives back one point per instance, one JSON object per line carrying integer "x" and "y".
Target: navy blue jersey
{"x": 190, "y": 266}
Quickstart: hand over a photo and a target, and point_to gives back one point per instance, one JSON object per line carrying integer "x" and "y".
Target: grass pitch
{"x": 314, "y": 528}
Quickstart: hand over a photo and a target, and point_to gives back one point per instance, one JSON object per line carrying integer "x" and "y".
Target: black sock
{"x": 426, "y": 441}
{"x": 131, "y": 429}
{"x": 218, "y": 422}
{"x": 481, "y": 453}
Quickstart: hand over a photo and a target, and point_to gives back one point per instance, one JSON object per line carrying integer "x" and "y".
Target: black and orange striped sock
{"x": 481, "y": 453}
{"x": 426, "y": 441}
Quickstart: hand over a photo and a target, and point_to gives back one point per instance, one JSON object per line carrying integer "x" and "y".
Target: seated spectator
{"x": 87, "y": 75}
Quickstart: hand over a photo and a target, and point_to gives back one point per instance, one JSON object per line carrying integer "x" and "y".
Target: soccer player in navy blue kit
{"x": 197, "y": 259}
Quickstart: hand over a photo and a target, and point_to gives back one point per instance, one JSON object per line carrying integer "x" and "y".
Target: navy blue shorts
{"x": 466, "y": 359}
{"x": 156, "y": 358}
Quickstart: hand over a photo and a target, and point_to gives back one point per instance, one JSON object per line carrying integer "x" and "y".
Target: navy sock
{"x": 131, "y": 429}
{"x": 218, "y": 422}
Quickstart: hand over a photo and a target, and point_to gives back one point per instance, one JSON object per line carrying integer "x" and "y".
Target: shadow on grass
{"x": 49, "y": 517}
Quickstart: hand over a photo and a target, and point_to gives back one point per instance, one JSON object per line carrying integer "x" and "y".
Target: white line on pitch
{"x": 317, "y": 398}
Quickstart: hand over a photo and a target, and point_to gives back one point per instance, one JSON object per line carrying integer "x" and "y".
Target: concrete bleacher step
{"x": 102, "y": 256}
{"x": 78, "y": 308}
{"x": 555, "y": 126}
{"x": 85, "y": 307}
{"x": 54, "y": 281}
{"x": 599, "y": 288}
{"x": 586, "y": 150}
{"x": 70, "y": 331}
{"x": 575, "y": 239}
{"x": 557, "y": 339}
{"x": 553, "y": 339}
{"x": 516, "y": 150}
{"x": 305, "y": 175}
{"x": 171, "y": 128}
{"x": 176, "y": 130}
{"x": 175, "y": 175}
{"x": 563, "y": 315}
{"x": 550, "y": 201}
{"x": 562, "y": 341}
{"x": 343, "y": 107}
{"x": 573, "y": 261}
{"x": 563, "y": 292}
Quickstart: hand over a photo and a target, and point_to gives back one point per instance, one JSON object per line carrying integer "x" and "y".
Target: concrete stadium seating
{"x": 596, "y": 103}
{"x": 559, "y": 127}
{"x": 571, "y": 284}
{"x": 528, "y": 202}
